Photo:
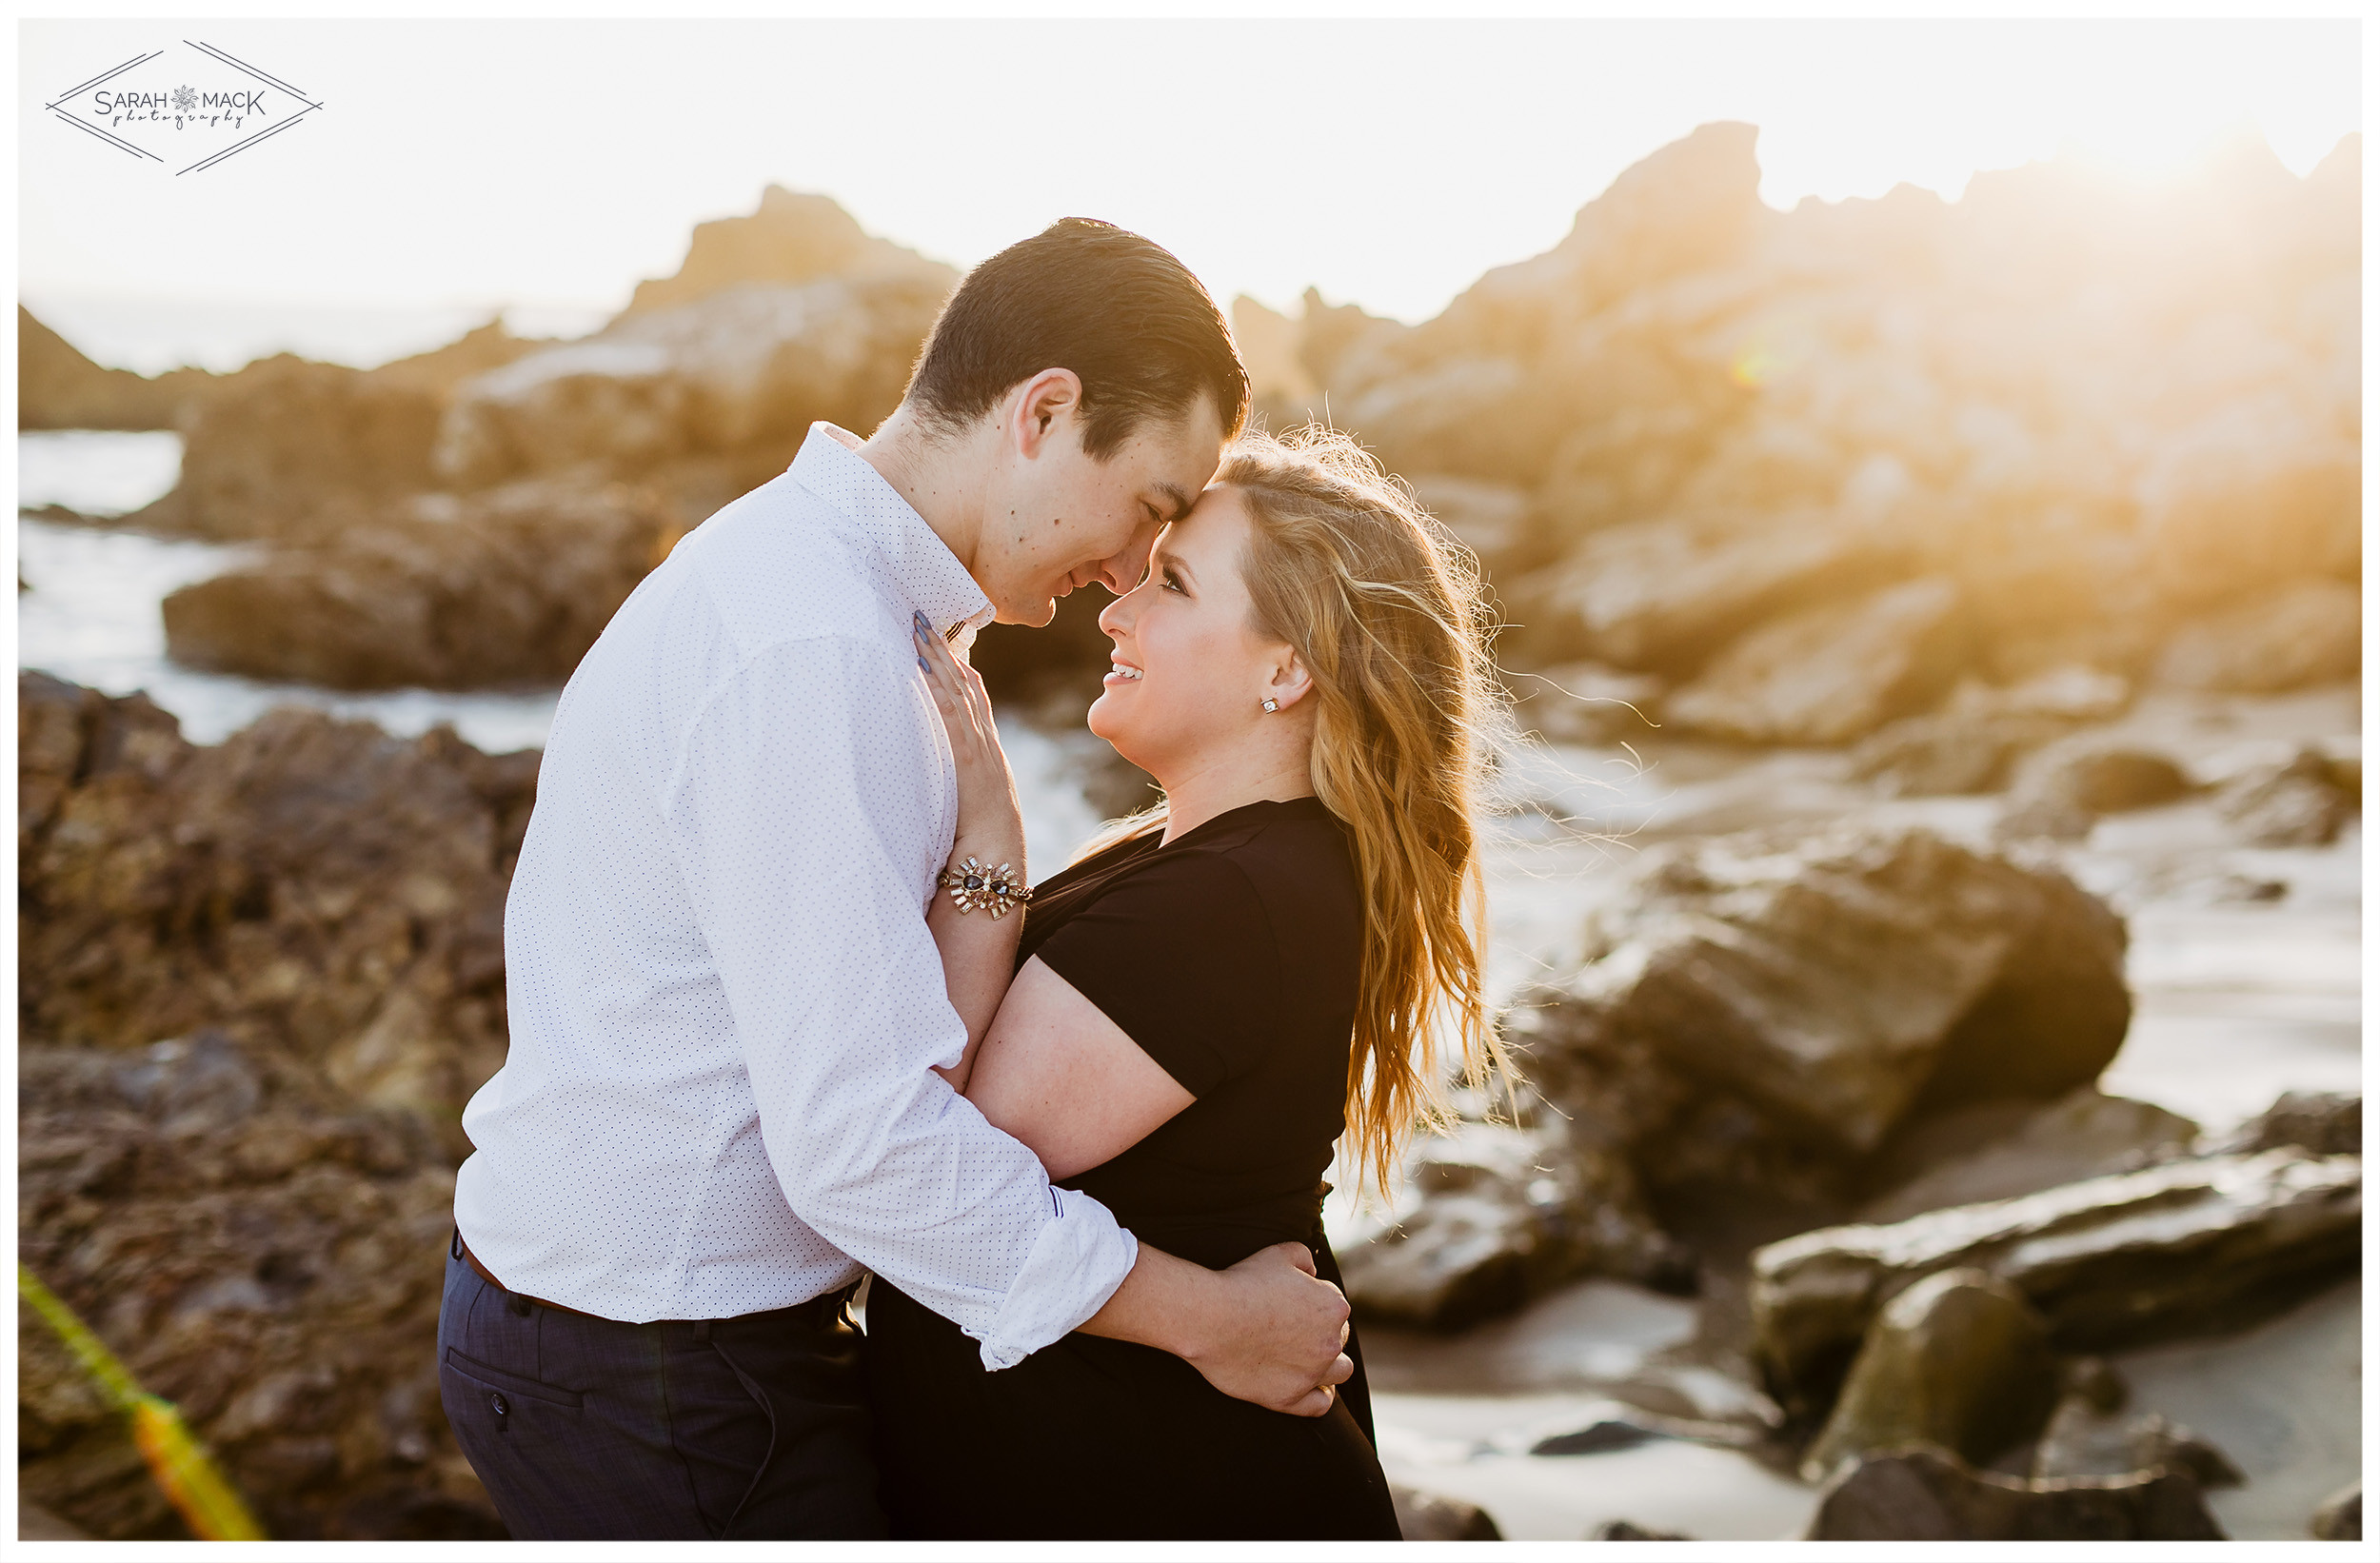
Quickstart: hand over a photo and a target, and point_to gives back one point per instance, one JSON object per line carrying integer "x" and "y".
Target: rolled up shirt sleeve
{"x": 800, "y": 822}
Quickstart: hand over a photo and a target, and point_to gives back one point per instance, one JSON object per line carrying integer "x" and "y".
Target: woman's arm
{"x": 1058, "y": 1073}
{"x": 979, "y": 951}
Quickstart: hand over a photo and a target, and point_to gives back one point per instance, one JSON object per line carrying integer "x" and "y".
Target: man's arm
{"x": 1058, "y": 1073}
{"x": 798, "y": 812}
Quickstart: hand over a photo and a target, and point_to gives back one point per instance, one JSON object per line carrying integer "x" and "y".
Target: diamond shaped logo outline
{"x": 212, "y": 52}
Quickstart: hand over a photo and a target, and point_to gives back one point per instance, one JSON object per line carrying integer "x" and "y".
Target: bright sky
{"x": 1387, "y": 162}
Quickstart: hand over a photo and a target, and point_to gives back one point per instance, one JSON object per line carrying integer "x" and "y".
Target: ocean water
{"x": 91, "y": 615}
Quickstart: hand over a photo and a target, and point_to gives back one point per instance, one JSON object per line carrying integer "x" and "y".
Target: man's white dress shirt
{"x": 724, "y": 998}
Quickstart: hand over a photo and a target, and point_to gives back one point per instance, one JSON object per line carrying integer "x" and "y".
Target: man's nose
{"x": 1121, "y": 571}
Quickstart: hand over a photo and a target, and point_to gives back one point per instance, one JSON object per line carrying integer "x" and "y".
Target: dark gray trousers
{"x": 747, "y": 1428}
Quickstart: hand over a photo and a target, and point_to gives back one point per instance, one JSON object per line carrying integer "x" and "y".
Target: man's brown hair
{"x": 1123, "y": 314}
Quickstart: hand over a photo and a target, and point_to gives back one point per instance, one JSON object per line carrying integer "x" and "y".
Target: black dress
{"x": 1231, "y": 957}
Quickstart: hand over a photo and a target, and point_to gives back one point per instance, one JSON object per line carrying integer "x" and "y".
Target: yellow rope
{"x": 176, "y": 1458}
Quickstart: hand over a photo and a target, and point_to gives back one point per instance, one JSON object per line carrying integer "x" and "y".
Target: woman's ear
{"x": 1290, "y": 683}
{"x": 1040, "y": 405}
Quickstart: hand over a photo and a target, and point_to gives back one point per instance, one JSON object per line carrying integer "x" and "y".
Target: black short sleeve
{"x": 1180, "y": 954}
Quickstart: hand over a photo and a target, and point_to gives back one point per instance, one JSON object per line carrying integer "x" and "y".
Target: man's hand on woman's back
{"x": 1267, "y": 1330}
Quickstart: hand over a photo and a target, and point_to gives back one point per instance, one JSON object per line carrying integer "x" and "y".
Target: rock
{"x": 1960, "y": 1359}
{"x": 72, "y": 1449}
{"x": 2293, "y": 802}
{"x": 790, "y": 239}
{"x": 2257, "y": 492}
{"x": 1426, "y": 1516}
{"x": 2061, "y": 790}
{"x": 1830, "y": 674}
{"x": 1279, "y": 387}
{"x": 1729, "y": 1048}
{"x": 260, "y": 1252}
{"x": 2323, "y": 1122}
{"x": 2100, "y": 778}
{"x": 257, "y": 981}
{"x": 293, "y": 450}
{"x": 2083, "y": 1440}
{"x": 316, "y": 887}
{"x": 1623, "y": 1530}
{"x": 58, "y": 388}
{"x": 1587, "y": 703}
{"x": 2085, "y": 1134}
{"x": 34, "y": 1523}
{"x": 1970, "y": 743}
{"x": 737, "y": 376}
{"x": 2305, "y": 633}
{"x": 2341, "y": 1517}
{"x": 1493, "y": 519}
{"x": 1755, "y": 964}
{"x": 1922, "y": 1494}
{"x": 1340, "y": 344}
{"x": 509, "y": 586}
{"x": 1662, "y": 594}
{"x": 1596, "y": 1439}
{"x": 2190, "y": 1244}
{"x": 1503, "y": 1215}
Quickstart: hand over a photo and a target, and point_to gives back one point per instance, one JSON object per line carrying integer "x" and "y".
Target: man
{"x": 725, "y": 1005}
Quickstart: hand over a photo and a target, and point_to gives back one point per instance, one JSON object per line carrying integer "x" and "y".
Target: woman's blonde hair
{"x": 1384, "y": 608}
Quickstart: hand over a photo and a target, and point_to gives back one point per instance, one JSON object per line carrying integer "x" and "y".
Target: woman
{"x": 1189, "y": 1017}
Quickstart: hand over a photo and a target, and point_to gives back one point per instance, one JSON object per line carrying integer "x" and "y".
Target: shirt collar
{"x": 913, "y": 559}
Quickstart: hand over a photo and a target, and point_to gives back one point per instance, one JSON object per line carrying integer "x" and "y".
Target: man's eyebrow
{"x": 1176, "y": 499}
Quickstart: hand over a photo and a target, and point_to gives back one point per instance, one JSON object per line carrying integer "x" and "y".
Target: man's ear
{"x": 1040, "y": 408}
{"x": 1290, "y": 683}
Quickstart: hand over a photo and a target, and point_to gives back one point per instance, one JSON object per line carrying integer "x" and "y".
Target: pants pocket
{"x": 491, "y": 1399}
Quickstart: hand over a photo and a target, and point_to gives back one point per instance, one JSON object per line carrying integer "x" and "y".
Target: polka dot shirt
{"x": 724, "y": 1000}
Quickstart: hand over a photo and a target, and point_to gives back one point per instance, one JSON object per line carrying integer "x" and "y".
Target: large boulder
{"x": 58, "y": 388}
{"x": 2190, "y": 1244}
{"x": 1757, "y": 1014}
{"x": 256, "y": 982}
{"x": 313, "y": 886}
{"x": 1920, "y": 1492}
{"x": 262, "y": 1252}
{"x": 1960, "y": 1360}
{"x": 1837, "y": 979}
{"x": 290, "y": 450}
{"x": 507, "y": 586}
{"x": 789, "y": 239}
{"x": 739, "y": 375}
{"x": 1832, "y": 673}
{"x": 1665, "y": 593}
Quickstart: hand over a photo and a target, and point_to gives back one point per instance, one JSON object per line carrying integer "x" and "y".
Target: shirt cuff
{"x": 1076, "y": 1265}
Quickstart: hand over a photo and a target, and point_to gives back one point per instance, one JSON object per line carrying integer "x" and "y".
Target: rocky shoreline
{"x": 1904, "y": 526}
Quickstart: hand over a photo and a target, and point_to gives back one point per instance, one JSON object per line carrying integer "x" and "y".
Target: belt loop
{"x": 454, "y": 1249}
{"x": 702, "y": 1332}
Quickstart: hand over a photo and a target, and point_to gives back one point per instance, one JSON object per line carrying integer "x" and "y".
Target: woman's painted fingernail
{"x": 922, "y": 668}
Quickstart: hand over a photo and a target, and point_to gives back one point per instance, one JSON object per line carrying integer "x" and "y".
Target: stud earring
{"x": 1271, "y": 705}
